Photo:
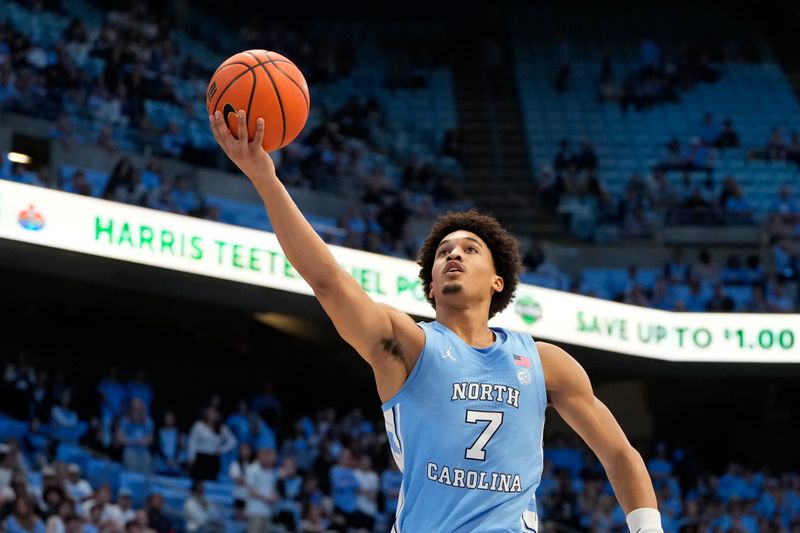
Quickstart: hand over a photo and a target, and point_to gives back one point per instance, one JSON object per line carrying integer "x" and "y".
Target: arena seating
{"x": 755, "y": 96}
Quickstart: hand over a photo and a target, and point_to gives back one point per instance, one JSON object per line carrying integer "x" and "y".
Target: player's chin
{"x": 452, "y": 288}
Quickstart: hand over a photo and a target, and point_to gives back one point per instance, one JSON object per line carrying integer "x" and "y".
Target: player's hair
{"x": 502, "y": 245}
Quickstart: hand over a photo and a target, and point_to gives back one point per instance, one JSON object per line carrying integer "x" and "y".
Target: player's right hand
{"x": 250, "y": 157}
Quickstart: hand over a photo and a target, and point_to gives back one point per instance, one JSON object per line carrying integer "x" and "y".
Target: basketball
{"x": 267, "y": 85}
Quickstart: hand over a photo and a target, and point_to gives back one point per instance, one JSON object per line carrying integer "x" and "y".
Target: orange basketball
{"x": 266, "y": 85}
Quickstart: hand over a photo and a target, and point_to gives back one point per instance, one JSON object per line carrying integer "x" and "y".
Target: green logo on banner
{"x": 528, "y": 309}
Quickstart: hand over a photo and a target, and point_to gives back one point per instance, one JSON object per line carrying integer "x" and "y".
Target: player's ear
{"x": 498, "y": 284}
{"x": 430, "y": 291}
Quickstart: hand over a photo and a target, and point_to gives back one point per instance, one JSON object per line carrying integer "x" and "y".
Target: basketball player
{"x": 463, "y": 403}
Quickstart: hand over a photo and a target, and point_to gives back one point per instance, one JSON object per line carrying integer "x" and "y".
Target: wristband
{"x": 644, "y": 520}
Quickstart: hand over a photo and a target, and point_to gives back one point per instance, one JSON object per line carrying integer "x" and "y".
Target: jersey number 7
{"x": 476, "y": 452}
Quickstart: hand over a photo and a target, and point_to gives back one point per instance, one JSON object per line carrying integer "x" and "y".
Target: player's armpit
{"x": 388, "y": 339}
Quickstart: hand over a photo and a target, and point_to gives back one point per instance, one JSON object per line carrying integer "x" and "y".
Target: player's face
{"x": 463, "y": 268}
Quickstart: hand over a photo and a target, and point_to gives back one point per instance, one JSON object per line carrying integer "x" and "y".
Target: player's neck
{"x": 471, "y": 325}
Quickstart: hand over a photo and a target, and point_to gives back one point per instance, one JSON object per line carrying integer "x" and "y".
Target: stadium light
{"x": 16, "y": 157}
{"x": 292, "y": 325}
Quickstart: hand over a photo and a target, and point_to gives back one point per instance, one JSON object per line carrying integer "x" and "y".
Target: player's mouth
{"x": 453, "y": 267}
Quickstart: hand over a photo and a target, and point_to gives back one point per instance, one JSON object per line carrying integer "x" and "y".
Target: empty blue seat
{"x": 100, "y": 472}
{"x": 73, "y": 453}
{"x": 12, "y": 429}
{"x": 137, "y": 483}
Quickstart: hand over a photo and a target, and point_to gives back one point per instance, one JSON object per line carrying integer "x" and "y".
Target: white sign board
{"x": 149, "y": 237}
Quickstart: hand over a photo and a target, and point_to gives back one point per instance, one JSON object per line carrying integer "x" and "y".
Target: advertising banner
{"x": 128, "y": 233}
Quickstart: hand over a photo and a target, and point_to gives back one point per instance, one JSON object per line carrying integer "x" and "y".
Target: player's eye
{"x": 444, "y": 251}
{"x": 472, "y": 248}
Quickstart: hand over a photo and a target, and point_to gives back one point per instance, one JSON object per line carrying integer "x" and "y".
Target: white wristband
{"x": 644, "y": 520}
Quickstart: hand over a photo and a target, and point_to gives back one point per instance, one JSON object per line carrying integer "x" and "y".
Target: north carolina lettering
{"x": 474, "y": 479}
{"x": 486, "y": 392}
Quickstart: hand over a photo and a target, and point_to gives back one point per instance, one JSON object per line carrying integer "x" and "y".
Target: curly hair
{"x": 502, "y": 245}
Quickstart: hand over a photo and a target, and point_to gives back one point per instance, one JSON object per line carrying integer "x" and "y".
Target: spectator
{"x": 737, "y": 208}
{"x": 586, "y": 158}
{"x": 138, "y": 387}
{"x": 23, "y": 519}
{"x": 237, "y": 471}
{"x": 105, "y": 140}
{"x": 563, "y": 157}
{"x": 563, "y": 65}
{"x": 776, "y": 146}
{"x": 705, "y": 271}
{"x": 121, "y": 177}
{"x": 775, "y": 150}
{"x": 314, "y": 520}
{"x": 778, "y": 298}
{"x": 78, "y": 184}
{"x": 156, "y": 517}
{"x": 140, "y": 523}
{"x": 676, "y": 270}
{"x": 64, "y": 421}
{"x": 200, "y": 515}
{"x": 720, "y": 302}
{"x": 208, "y": 440}
{"x": 709, "y": 132}
{"x": 344, "y": 488}
{"x": 19, "y": 380}
{"x": 64, "y": 132}
{"x": 697, "y": 299}
{"x": 662, "y": 191}
{"x": 103, "y": 514}
{"x": 696, "y": 156}
{"x": 785, "y": 204}
{"x": 112, "y": 393}
{"x": 44, "y": 178}
{"x": 173, "y": 140}
{"x": 77, "y": 488}
{"x": 125, "y": 503}
{"x": 757, "y": 302}
{"x": 135, "y": 435}
{"x": 672, "y": 158}
{"x": 183, "y": 197}
{"x": 290, "y": 489}
{"x": 170, "y": 447}
{"x": 261, "y": 479}
{"x": 793, "y": 148}
{"x": 57, "y": 522}
{"x": 728, "y": 137}
{"x": 368, "y": 485}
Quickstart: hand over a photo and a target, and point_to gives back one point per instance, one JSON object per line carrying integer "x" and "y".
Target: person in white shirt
{"x": 236, "y": 471}
{"x": 201, "y": 515}
{"x": 79, "y": 489}
{"x": 110, "y": 515}
{"x": 262, "y": 480}
{"x": 208, "y": 440}
{"x": 125, "y": 503}
{"x": 368, "y": 484}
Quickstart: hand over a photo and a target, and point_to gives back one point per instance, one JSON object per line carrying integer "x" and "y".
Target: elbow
{"x": 325, "y": 284}
{"x": 625, "y": 459}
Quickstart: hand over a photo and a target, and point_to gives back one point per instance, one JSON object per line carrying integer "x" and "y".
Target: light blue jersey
{"x": 466, "y": 431}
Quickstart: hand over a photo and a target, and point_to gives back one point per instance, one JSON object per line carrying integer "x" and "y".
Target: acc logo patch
{"x": 524, "y": 376}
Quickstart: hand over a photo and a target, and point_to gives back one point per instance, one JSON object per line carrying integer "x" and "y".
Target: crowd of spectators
{"x": 649, "y": 201}
{"x": 703, "y": 285}
{"x": 324, "y": 472}
{"x": 347, "y": 148}
{"x": 661, "y": 73}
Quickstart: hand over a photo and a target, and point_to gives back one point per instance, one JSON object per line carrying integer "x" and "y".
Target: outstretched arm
{"x": 571, "y": 394}
{"x": 386, "y": 338}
